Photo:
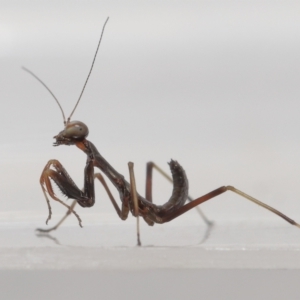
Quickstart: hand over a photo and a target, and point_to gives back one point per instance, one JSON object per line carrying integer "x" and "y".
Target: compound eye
{"x": 76, "y": 129}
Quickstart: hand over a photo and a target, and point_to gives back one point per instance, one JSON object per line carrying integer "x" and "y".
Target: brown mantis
{"x": 75, "y": 133}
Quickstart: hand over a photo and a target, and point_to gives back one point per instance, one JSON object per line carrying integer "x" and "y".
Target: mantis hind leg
{"x": 148, "y": 193}
{"x": 220, "y": 191}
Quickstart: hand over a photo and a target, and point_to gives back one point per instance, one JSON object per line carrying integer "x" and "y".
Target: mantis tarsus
{"x": 75, "y": 133}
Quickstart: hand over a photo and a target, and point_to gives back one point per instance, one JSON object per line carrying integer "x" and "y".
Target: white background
{"x": 212, "y": 84}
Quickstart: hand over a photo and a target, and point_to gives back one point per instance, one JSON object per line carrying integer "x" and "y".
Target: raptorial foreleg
{"x": 122, "y": 212}
{"x": 64, "y": 183}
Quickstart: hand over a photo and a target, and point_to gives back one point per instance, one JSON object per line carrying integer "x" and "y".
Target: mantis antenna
{"x": 36, "y": 77}
{"x": 90, "y": 70}
{"x": 25, "y": 69}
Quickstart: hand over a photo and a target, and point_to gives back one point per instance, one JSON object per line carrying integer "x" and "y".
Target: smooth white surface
{"x": 150, "y": 284}
{"x": 105, "y": 244}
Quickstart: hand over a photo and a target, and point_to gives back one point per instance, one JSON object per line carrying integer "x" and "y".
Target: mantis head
{"x": 74, "y": 131}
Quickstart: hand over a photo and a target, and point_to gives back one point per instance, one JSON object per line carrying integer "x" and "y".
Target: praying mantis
{"x": 75, "y": 134}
